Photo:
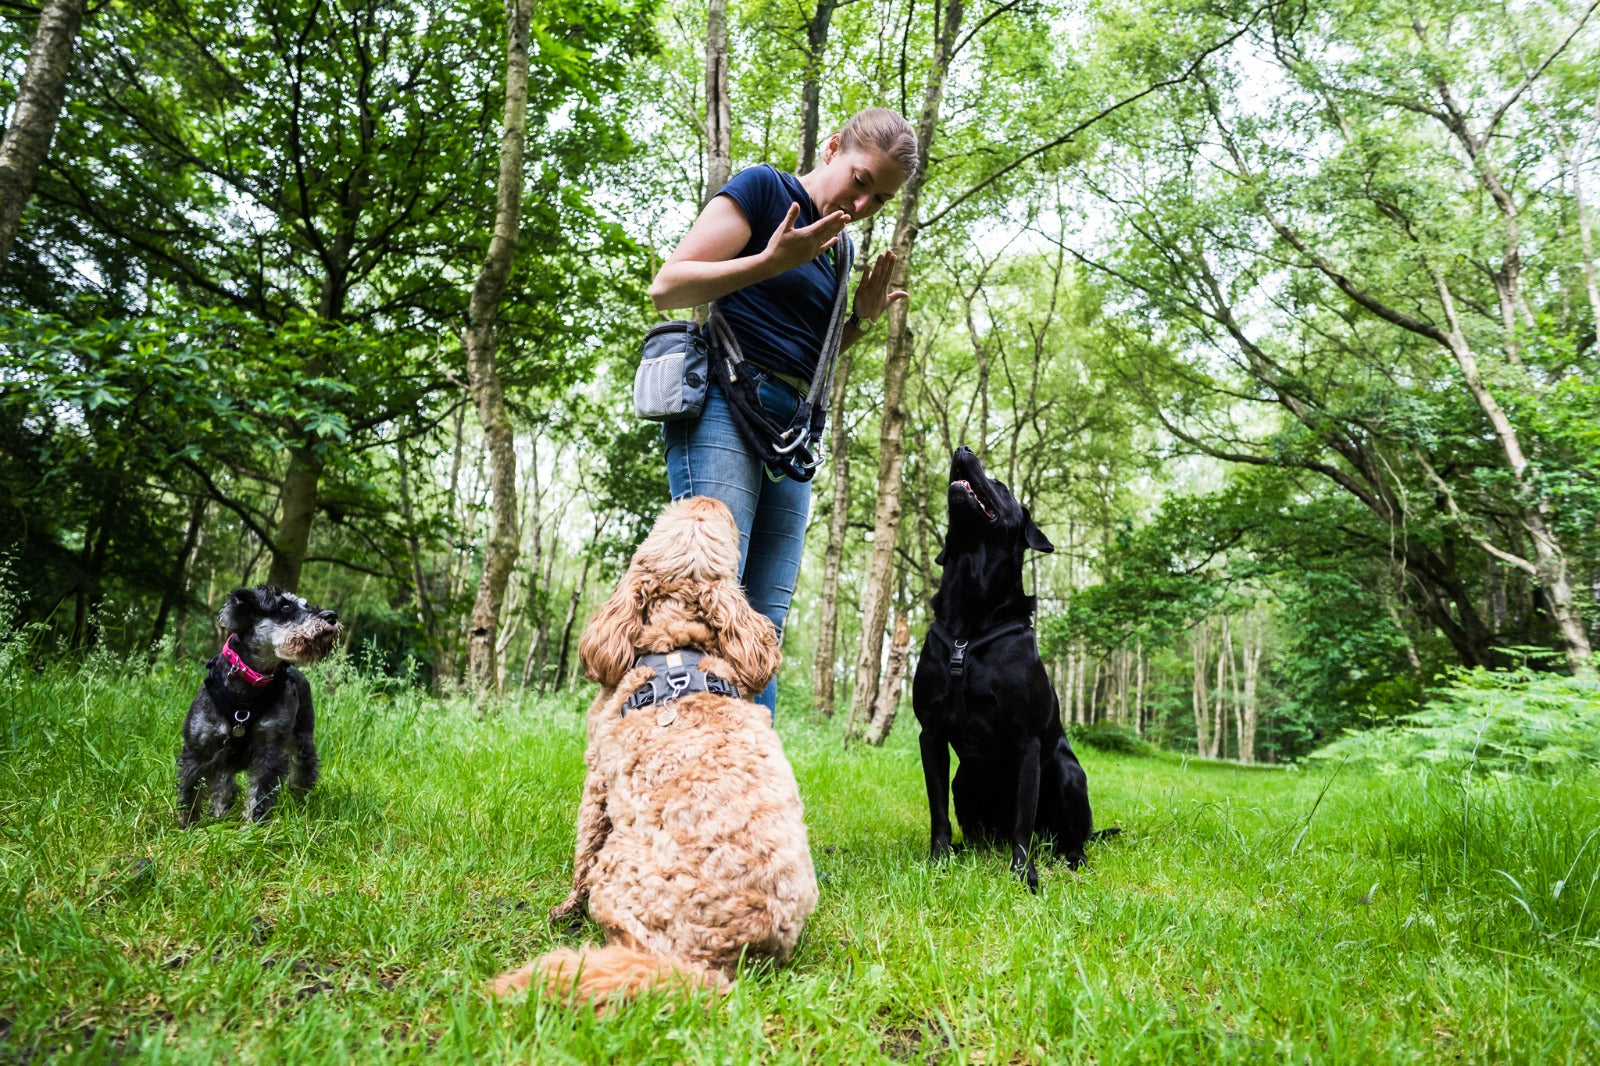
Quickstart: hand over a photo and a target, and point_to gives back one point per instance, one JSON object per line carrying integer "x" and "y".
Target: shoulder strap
{"x": 789, "y": 450}
{"x": 833, "y": 340}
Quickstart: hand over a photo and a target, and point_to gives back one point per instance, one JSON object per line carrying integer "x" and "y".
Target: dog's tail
{"x": 605, "y": 975}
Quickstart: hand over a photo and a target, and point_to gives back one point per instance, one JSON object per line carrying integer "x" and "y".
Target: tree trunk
{"x": 297, "y": 508}
{"x": 1079, "y": 703}
{"x": 1069, "y": 702}
{"x": 571, "y": 620}
{"x": 823, "y": 667}
{"x": 1405, "y": 637}
{"x": 1549, "y": 559}
{"x": 1581, "y": 207}
{"x": 33, "y": 119}
{"x": 1138, "y": 687}
{"x": 1219, "y": 696}
{"x": 889, "y": 698}
{"x": 177, "y": 587}
{"x": 719, "y": 137}
{"x": 419, "y": 577}
{"x": 1202, "y": 713}
{"x": 897, "y": 365}
{"x": 811, "y": 81}
{"x": 1255, "y": 642}
{"x": 1091, "y": 708}
{"x": 501, "y": 545}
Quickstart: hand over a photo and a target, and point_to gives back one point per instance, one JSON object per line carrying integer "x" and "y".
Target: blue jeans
{"x": 706, "y": 456}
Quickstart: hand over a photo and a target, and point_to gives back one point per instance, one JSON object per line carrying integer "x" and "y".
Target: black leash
{"x": 790, "y": 450}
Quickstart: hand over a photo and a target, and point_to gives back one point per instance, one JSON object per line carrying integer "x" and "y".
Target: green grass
{"x": 1244, "y": 915}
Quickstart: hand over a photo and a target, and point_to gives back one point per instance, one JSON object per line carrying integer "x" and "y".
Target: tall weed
{"x": 1498, "y": 721}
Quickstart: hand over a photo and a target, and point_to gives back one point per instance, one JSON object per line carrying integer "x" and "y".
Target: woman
{"x": 760, "y": 249}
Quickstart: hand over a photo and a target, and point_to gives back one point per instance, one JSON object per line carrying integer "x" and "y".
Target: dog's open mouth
{"x": 972, "y": 494}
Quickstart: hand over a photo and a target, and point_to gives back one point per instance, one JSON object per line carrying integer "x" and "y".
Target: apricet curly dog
{"x": 692, "y": 848}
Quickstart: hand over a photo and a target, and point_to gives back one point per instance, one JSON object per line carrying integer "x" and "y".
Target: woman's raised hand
{"x": 790, "y": 247}
{"x": 873, "y": 295}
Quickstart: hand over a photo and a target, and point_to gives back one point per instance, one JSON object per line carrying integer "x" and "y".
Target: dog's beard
{"x": 306, "y": 642}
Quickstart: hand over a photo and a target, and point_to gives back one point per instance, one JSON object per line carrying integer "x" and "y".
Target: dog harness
{"x": 960, "y": 651}
{"x": 676, "y": 673}
{"x": 228, "y": 664}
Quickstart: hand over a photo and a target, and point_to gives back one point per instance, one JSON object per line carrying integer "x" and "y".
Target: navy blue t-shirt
{"x": 780, "y": 322}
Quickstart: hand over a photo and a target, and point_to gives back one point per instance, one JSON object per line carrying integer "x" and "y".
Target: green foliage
{"x": 1113, "y": 738}
{"x": 255, "y": 237}
{"x": 1504, "y": 721}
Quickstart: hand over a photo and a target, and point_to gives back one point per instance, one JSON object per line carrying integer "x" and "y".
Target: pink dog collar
{"x": 244, "y": 669}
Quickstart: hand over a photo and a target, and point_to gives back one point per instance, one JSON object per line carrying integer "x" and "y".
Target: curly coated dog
{"x": 981, "y": 688}
{"x": 253, "y": 712}
{"x": 692, "y": 850}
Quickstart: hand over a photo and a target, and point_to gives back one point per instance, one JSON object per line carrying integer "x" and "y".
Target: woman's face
{"x": 857, "y": 181}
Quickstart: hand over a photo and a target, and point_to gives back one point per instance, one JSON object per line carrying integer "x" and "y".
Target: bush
{"x": 1109, "y": 736}
{"x": 1510, "y": 721}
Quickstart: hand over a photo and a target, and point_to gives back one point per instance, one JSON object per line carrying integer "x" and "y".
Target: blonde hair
{"x": 885, "y": 130}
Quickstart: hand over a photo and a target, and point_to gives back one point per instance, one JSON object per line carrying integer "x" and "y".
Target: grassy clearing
{"x": 1251, "y": 915}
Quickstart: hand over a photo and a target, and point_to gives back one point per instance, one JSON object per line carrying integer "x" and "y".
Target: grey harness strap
{"x": 676, "y": 673}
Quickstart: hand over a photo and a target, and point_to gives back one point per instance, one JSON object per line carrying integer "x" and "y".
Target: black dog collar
{"x": 675, "y": 674}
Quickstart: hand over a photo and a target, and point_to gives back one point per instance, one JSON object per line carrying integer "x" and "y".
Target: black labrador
{"x": 981, "y": 688}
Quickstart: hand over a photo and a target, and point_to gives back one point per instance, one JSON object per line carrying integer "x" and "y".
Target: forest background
{"x": 1281, "y": 317}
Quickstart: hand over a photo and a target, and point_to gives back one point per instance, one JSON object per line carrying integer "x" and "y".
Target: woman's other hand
{"x": 872, "y": 295}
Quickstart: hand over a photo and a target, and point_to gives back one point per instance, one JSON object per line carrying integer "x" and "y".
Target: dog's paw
{"x": 1022, "y": 866}
{"x": 941, "y": 850}
{"x": 568, "y": 917}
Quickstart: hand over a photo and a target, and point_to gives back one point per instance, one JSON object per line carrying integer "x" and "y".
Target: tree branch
{"x": 1084, "y": 125}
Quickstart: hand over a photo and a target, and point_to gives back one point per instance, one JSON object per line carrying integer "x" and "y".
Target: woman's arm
{"x": 703, "y": 268}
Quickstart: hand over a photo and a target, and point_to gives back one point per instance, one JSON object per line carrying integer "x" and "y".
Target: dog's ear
{"x": 745, "y": 637}
{"x": 938, "y": 560}
{"x": 239, "y": 603}
{"x": 609, "y": 643}
{"x": 1033, "y": 536}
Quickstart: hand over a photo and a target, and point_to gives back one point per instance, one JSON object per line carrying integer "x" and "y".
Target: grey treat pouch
{"x": 674, "y": 371}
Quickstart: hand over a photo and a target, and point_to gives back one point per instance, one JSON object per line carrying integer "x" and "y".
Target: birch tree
{"x": 31, "y": 125}
{"x": 500, "y": 547}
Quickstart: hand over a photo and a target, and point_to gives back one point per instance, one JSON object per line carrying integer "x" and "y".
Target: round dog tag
{"x": 667, "y": 714}
{"x": 238, "y": 730}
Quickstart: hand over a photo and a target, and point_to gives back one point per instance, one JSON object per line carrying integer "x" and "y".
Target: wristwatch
{"x": 862, "y": 324}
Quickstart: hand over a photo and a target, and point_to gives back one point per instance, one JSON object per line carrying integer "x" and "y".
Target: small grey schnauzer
{"x": 254, "y": 710}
